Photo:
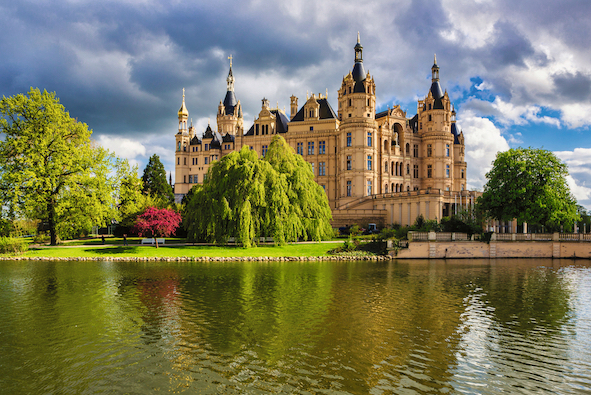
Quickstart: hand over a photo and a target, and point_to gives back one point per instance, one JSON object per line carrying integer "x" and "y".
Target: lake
{"x": 362, "y": 327}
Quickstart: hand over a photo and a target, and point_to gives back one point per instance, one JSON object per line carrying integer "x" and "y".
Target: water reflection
{"x": 449, "y": 326}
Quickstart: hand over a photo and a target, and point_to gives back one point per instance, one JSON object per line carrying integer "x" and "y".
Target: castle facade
{"x": 382, "y": 168}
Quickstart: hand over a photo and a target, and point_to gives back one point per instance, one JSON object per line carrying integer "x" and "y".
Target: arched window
{"x": 407, "y": 169}
{"x": 385, "y": 146}
{"x": 179, "y": 148}
{"x": 394, "y": 168}
{"x": 386, "y": 188}
{"x": 407, "y": 148}
{"x": 386, "y": 167}
{"x": 184, "y": 161}
{"x": 392, "y": 189}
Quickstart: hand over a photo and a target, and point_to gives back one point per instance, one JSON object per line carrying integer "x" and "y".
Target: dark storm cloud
{"x": 508, "y": 47}
{"x": 574, "y": 87}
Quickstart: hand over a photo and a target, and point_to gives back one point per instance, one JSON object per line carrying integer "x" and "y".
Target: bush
{"x": 12, "y": 245}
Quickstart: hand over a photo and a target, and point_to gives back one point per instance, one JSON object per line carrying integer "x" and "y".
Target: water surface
{"x": 454, "y": 326}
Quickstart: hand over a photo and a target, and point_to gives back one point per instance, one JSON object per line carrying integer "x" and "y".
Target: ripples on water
{"x": 473, "y": 327}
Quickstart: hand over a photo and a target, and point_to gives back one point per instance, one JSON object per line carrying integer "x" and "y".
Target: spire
{"x": 435, "y": 70}
{"x": 358, "y": 50}
{"x": 183, "y": 112}
{"x": 230, "y": 79}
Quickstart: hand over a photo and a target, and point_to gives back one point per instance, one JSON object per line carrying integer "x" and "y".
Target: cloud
{"x": 483, "y": 140}
{"x": 579, "y": 178}
{"x": 123, "y": 147}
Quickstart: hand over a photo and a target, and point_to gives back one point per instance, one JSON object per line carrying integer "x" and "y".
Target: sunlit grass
{"x": 89, "y": 251}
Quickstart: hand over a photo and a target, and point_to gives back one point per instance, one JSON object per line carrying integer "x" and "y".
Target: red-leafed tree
{"x": 157, "y": 222}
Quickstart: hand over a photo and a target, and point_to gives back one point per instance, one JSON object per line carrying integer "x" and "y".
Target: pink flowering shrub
{"x": 157, "y": 222}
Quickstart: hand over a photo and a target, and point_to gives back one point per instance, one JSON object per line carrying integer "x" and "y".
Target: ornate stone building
{"x": 381, "y": 167}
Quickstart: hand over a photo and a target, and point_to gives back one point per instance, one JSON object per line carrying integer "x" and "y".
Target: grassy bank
{"x": 93, "y": 251}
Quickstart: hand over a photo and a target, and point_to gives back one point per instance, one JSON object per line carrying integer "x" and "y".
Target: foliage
{"x": 426, "y": 225}
{"x": 157, "y": 222}
{"x": 131, "y": 201}
{"x": 246, "y": 197}
{"x": 464, "y": 221}
{"x": 13, "y": 245}
{"x": 49, "y": 168}
{"x": 154, "y": 181}
{"x": 529, "y": 185}
{"x": 355, "y": 230}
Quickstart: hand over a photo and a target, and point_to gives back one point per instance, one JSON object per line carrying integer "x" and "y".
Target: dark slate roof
{"x": 437, "y": 94}
{"x": 215, "y": 142}
{"x": 326, "y": 111}
{"x": 208, "y": 133}
{"x": 358, "y": 72}
{"x": 230, "y": 102}
{"x": 250, "y": 131}
{"x": 195, "y": 140}
{"x": 455, "y": 132}
{"x": 228, "y": 138}
{"x": 382, "y": 114}
{"x": 281, "y": 121}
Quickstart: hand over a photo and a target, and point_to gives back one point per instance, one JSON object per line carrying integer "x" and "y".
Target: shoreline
{"x": 207, "y": 258}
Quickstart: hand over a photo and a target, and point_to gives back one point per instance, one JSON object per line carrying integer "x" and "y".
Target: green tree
{"x": 246, "y": 197}
{"x": 49, "y": 168}
{"x": 529, "y": 185}
{"x": 131, "y": 201}
{"x": 154, "y": 180}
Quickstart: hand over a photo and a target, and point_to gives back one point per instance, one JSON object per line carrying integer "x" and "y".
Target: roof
{"x": 208, "y": 133}
{"x": 325, "y": 112}
{"x": 281, "y": 121}
{"x": 195, "y": 141}
{"x": 382, "y": 114}
{"x": 230, "y": 102}
{"x": 455, "y": 132}
{"x": 437, "y": 94}
{"x": 228, "y": 138}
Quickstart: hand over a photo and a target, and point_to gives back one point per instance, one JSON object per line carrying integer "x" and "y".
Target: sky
{"x": 518, "y": 72}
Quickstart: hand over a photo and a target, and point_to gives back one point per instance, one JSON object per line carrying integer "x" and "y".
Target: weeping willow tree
{"x": 246, "y": 198}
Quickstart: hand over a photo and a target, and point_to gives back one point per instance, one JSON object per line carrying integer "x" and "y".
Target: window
{"x": 322, "y": 168}
{"x": 256, "y": 129}
{"x": 349, "y": 139}
{"x": 185, "y": 161}
{"x": 415, "y": 151}
{"x": 429, "y": 171}
{"x": 462, "y": 187}
{"x": 407, "y": 148}
{"x": 264, "y": 150}
{"x": 310, "y": 148}
{"x": 349, "y": 101}
{"x": 462, "y": 173}
{"x": 323, "y": 187}
{"x": 429, "y": 106}
{"x": 368, "y": 162}
{"x": 179, "y": 148}
{"x": 386, "y": 167}
{"x": 311, "y": 128}
{"x": 190, "y": 179}
{"x": 185, "y": 148}
{"x": 195, "y": 179}
{"x": 429, "y": 150}
{"x": 178, "y": 161}
{"x": 446, "y": 171}
{"x": 408, "y": 169}
{"x": 348, "y": 188}
{"x": 386, "y": 188}
{"x": 369, "y": 188}
{"x": 312, "y": 164}
{"x": 205, "y": 177}
{"x": 348, "y": 162}
{"x": 321, "y": 147}
{"x": 206, "y": 160}
{"x": 447, "y": 150}
{"x": 369, "y": 139}
{"x": 300, "y": 149}
{"x": 184, "y": 179}
{"x": 207, "y": 147}
{"x": 415, "y": 171}
{"x": 429, "y": 115}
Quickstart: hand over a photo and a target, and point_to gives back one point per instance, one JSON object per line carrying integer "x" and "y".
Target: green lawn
{"x": 94, "y": 250}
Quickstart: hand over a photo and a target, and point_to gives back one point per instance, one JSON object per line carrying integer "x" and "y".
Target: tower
{"x": 182, "y": 140}
{"x": 358, "y": 161}
{"x": 437, "y": 141}
{"x": 229, "y": 116}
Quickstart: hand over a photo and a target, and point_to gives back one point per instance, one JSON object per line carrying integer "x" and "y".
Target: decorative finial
{"x": 434, "y": 58}
{"x": 208, "y": 121}
{"x": 277, "y": 105}
{"x": 183, "y": 94}
{"x": 230, "y": 57}
{"x": 327, "y": 93}
{"x": 358, "y": 40}
{"x": 307, "y": 96}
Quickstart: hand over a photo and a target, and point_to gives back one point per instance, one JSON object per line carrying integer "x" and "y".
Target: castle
{"x": 382, "y": 168}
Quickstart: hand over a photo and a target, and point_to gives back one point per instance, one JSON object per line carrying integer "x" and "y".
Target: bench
{"x": 152, "y": 241}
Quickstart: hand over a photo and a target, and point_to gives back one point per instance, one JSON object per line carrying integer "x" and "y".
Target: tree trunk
{"x": 52, "y": 224}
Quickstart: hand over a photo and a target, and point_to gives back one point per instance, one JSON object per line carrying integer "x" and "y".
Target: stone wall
{"x": 494, "y": 249}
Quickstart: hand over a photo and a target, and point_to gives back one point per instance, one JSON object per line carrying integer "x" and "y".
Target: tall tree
{"x": 529, "y": 185}
{"x": 154, "y": 180}
{"x": 49, "y": 168}
{"x": 246, "y": 197}
{"x": 131, "y": 202}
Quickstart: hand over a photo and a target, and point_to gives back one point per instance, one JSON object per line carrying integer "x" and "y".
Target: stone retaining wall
{"x": 498, "y": 249}
{"x": 205, "y": 258}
